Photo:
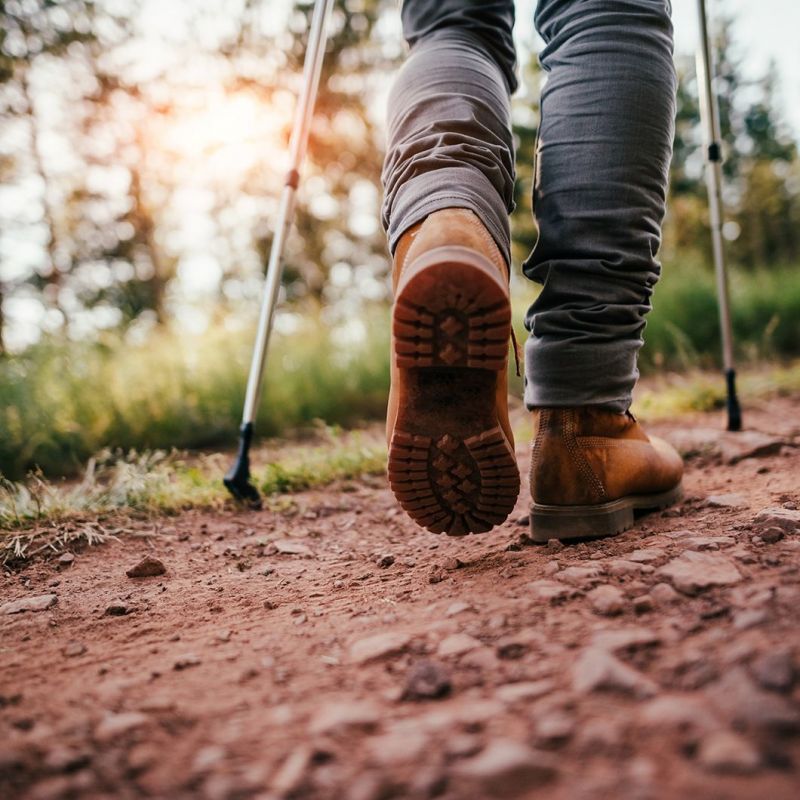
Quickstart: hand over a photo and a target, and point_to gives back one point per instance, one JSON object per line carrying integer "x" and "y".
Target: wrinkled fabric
{"x": 602, "y": 161}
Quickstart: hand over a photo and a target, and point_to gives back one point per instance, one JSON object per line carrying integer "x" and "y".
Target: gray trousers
{"x": 602, "y": 161}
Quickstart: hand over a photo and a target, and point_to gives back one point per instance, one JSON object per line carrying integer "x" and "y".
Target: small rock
{"x": 437, "y": 574}
{"x": 663, "y": 594}
{"x": 186, "y": 661}
{"x": 749, "y": 706}
{"x": 289, "y": 547}
{"x": 749, "y": 618}
{"x": 606, "y": 600}
{"x": 427, "y": 680}
{"x": 788, "y": 520}
{"x": 646, "y": 556}
{"x": 339, "y": 717}
{"x": 457, "y": 644}
{"x": 293, "y": 772}
{"x": 525, "y": 691}
{"x": 625, "y": 639}
{"x": 462, "y": 745}
{"x": 553, "y": 729}
{"x": 73, "y": 648}
{"x": 703, "y": 543}
{"x": 112, "y": 726}
{"x": 692, "y": 571}
{"x": 454, "y": 609}
{"x": 727, "y": 752}
{"x": 40, "y": 602}
{"x": 774, "y": 670}
{"x": 117, "y": 608}
{"x": 771, "y": 535}
{"x": 619, "y": 567}
{"x": 731, "y": 500}
{"x": 549, "y": 591}
{"x": 451, "y": 564}
{"x": 579, "y": 574}
{"x": 597, "y": 669}
{"x": 690, "y": 713}
{"x": 148, "y": 567}
{"x": 643, "y": 603}
{"x": 378, "y": 646}
{"x": 384, "y": 561}
{"x": 66, "y": 560}
{"x": 507, "y": 768}
{"x": 747, "y": 444}
{"x": 398, "y": 747}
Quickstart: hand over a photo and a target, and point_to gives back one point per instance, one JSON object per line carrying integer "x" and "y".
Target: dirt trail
{"x": 338, "y": 651}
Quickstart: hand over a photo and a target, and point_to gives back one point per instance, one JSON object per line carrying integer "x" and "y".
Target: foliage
{"x": 60, "y": 403}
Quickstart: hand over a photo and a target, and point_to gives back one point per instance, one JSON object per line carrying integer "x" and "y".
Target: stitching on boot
{"x": 544, "y": 419}
{"x": 584, "y": 467}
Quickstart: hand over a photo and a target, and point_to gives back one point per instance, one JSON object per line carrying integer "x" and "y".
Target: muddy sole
{"x": 596, "y": 521}
{"x": 450, "y": 466}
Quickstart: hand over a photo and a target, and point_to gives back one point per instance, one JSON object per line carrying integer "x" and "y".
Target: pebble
{"x": 398, "y": 747}
{"x": 749, "y": 618}
{"x": 338, "y": 717}
{"x": 524, "y": 691}
{"x": 73, "y": 648}
{"x": 727, "y": 752}
{"x": 385, "y": 560}
{"x": 553, "y": 729}
{"x": 186, "y": 661}
{"x": 787, "y": 519}
{"x": 621, "y": 566}
{"x": 643, "y": 603}
{"x": 148, "y": 567}
{"x": 663, "y": 594}
{"x": 549, "y": 591}
{"x": 507, "y": 768}
{"x": 39, "y": 602}
{"x": 606, "y": 600}
{"x": 645, "y": 556}
{"x": 579, "y": 575}
{"x": 596, "y": 669}
{"x": 731, "y": 500}
{"x": 693, "y": 571}
{"x": 457, "y": 644}
{"x": 378, "y": 646}
{"x": 689, "y": 713}
{"x": 615, "y": 640}
{"x": 117, "y": 608}
{"x": 112, "y": 726}
{"x": 427, "y": 680}
{"x": 454, "y": 609}
{"x": 774, "y": 670}
{"x": 66, "y": 560}
{"x": 737, "y": 446}
{"x": 289, "y": 547}
{"x": 771, "y": 535}
{"x": 747, "y": 705}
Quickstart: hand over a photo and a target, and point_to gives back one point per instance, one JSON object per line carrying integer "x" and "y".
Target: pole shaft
{"x": 709, "y": 112}
{"x": 304, "y": 112}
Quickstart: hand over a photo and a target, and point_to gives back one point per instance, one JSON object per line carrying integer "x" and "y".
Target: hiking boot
{"x": 451, "y": 451}
{"x": 592, "y": 469}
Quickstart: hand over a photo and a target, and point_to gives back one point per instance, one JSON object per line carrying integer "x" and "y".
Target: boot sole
{"x": 596, "y": 521}
{"x": 451, "y": 467}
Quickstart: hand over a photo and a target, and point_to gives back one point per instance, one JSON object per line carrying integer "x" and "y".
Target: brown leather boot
{"x": 451, "y": 452}
{"x": 591, "y": 469}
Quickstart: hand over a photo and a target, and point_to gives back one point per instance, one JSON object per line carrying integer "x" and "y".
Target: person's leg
{"x": 605, "y": 143}
{"x": 448, "y": 180}
{"x": 449, "y": 121}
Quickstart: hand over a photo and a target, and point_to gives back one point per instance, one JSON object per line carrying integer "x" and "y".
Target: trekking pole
{"x": 709, "y": 112}
{"x": 237, "y": 479}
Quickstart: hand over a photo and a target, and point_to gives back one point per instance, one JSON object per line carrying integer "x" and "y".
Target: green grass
{"x": 60, "y": 403}
{"x": 33, "y": 513}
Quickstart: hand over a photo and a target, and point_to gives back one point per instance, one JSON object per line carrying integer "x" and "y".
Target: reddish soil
{"x": 500, "y": 668}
